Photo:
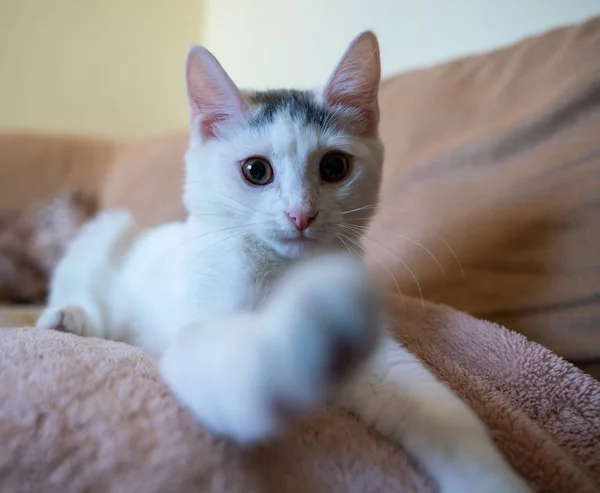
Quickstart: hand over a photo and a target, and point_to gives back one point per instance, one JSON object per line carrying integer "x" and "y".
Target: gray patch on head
{"x": 301, "y": 106}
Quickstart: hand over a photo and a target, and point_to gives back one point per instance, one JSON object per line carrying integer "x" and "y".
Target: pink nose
{"x": 302, "y": 217}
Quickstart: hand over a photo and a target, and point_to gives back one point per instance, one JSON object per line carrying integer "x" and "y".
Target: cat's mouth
{"x": 298, "y": 239}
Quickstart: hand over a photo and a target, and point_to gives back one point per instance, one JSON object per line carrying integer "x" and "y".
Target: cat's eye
{"x": 334, "y": 167}
{"x": 257, "y": 171}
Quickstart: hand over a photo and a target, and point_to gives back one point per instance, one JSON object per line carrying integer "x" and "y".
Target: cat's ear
{"x": 212, "y": 95}
{"x": 354, "y": 84}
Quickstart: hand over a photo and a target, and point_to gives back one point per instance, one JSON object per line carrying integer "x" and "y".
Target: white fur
{"x": 248, "y": 334}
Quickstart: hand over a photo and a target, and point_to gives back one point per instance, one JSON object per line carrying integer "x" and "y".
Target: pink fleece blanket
{"x": 91, "y": 415}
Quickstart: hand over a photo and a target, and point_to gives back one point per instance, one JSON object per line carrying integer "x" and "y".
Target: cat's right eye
{"x": 257, "y": 171}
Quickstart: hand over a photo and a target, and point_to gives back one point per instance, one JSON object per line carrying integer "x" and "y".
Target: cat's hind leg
{"x": 400, "y": 398}
{"x": 73, "y": 319}
{"x": 248, "y": 376}
{"x": 85, "y": 276}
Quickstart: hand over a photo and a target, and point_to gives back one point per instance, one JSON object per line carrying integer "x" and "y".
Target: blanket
{"x": 83, "y": 414}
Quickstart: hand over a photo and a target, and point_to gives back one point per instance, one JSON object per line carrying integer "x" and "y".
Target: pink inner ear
{"x": 213, "y": 96}
{"x": 208, "y": 113}
{"x": 208, "y": 125}
{"x": 346, "y": 90}
{"x": 355, "y": 82}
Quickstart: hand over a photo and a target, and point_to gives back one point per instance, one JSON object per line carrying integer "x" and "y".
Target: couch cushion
{"x": 498, "y": 157}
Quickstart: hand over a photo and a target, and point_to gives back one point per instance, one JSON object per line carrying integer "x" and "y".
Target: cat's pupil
{"x": 257, "y": 171}
{"x": 334, "y": 167}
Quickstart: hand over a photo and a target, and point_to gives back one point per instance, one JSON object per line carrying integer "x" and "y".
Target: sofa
{"x": 490, "y": 212}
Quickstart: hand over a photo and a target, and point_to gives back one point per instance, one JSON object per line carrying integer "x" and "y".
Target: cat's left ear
{"x": 354, "y": 84}
{"x": 213, "y": 96}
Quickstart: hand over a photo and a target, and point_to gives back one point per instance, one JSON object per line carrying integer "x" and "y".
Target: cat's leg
{"x": 400, "y": 398}
{"x": 245, "y": 377}
{"x": 85, "y": 274}
{"x": 73, "y": 319}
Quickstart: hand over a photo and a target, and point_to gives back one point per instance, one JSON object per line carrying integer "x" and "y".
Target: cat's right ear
{"x": 354, "y": 84}
{"x": 213, "y": 97}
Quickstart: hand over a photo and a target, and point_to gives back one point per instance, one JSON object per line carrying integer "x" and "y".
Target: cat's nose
{"x": 302, "y": 217}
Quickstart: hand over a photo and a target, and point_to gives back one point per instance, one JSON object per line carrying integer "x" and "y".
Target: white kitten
{"x": 249, "y": 334}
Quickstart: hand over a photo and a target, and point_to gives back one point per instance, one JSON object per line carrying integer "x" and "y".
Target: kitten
{"x": 250, "y": 334}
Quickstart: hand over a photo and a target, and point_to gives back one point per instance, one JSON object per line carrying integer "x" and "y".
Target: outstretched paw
{"x": 249, "y": 376}
{"x": 326, "y": 316}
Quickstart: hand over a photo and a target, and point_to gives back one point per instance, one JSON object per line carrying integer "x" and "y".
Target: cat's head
{"x": 288, "y": 168}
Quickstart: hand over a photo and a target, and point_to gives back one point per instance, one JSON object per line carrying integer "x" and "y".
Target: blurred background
{"x": 114, "y": 67}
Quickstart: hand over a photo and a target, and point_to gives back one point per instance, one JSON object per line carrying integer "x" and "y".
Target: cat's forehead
{"x": 300, "y": 107}
{"x": 292, "y": 122}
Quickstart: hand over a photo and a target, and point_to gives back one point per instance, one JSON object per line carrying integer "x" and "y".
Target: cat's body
{"x": 248, "y": 334}
{"x": 137, "y": 274}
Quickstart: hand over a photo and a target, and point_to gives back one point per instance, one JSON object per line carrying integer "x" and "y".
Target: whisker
{"x": 350, "y": 250}
{"x": 189, "y": 240}
{"x": 435, "y": 233}
{"x": 462, "y": 272}
{"x": 363, "y": 229}
{"x": 225, "y": 204}
{"x": 213, "y": 215}
{"x": 380, "y": 263}
{"x": 174, "y": 204}
{"x": 371, "y": 206}
{"x": 405, "y": 210}
{"x": 405, "y": 266}
{"x": 243, "y": 205}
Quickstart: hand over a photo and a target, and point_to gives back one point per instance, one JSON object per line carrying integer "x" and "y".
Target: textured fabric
{"x": 91, "y": 415}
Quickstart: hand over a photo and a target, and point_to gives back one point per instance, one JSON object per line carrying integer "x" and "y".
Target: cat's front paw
{"x": 326, "y": 318}
{"x": 248, "y": 376}
{"x": 219, "y": 371}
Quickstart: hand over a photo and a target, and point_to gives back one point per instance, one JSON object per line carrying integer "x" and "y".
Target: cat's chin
{"x": 295, "y": 247}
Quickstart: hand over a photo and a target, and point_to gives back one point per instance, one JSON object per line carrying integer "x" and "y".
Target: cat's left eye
{"x": 257, "y": 171}
{"x": 334, "y": 167}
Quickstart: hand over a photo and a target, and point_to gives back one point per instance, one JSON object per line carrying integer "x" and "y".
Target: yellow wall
{"x": 271, "y": 43}
{"x": 116, "y": 66}
{"x": 95, "y": 66}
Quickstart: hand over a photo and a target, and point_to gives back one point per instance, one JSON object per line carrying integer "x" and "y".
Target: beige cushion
{"x": 498, "y": 156}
